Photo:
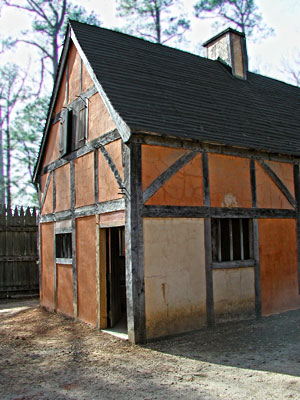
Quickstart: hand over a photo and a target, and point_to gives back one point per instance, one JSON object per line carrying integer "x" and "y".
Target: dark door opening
{"x": 116, "y": 279}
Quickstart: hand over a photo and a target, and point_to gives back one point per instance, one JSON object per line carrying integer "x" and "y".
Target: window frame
{"x": 216, "y": 244}
{"x": 71, "y": 137}
{"x": 63, "y": 260}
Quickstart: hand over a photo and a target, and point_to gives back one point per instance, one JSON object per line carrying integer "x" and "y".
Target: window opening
{"x": 231, "y": 239}
{"x": 63, "y": 245}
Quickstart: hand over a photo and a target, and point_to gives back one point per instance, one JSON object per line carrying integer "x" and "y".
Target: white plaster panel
{"x": 174, "y": 267}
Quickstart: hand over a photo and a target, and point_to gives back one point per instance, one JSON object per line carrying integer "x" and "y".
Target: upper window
{"x": 73, "y": 132}
{"x": 231, "y": 239}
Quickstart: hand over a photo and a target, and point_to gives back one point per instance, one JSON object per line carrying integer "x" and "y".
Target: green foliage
{"x": 26, "y": 133}
{"x": 152, "y": 19}
{"x": 242, "y": 14}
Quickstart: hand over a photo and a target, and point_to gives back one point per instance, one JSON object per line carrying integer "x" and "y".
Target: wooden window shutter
{"x": 65, "y": 122}
{"x": 81, "y": 128}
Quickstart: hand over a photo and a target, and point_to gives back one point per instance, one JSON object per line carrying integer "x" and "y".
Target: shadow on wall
{"x": 270, "y": 344}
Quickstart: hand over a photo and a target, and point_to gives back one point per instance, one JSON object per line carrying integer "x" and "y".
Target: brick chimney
{"x": 229, "y": 47}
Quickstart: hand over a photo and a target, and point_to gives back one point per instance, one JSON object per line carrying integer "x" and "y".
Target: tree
{"x": 26, "y": 132}
{"x": 151, "y": 19}
{"x": 48, "y": 27}
{"x": 12, "y": 90}
{"x": 243, "y": 14}
{"x": 292, "y": 69}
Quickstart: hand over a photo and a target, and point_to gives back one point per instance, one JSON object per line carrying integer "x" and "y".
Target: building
{"x": 169, "y": 186}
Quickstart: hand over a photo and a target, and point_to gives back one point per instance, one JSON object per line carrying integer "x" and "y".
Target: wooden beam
{"x": 54, "y": 268}
{"x": 96, "y": 182}
{"x": 275, "y": 178}
{"x": 297, "y": 195}
{"x": 214, "y": 212}
{"x": 210, "y": 313}
{"x": 135, "y": 290}
{"x": 113, "y": 167}
{"x": 74, "y": 263}
{"x": 189, "y": 144}
{"x": 233, "y": 264}
{"x": 45, "y": 190}
{"x": 85, "y": 211}
{"x": 87, "y": 148}
{"x": 255, "y": 239}
{"x": 54, "y": 192}
{"x": 166, "y": 175}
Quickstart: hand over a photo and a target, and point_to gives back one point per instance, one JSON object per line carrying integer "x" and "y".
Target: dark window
{"x": 73, "y": 130}
{"x": 63, "y": 245}
{"x": 231, "y": 239}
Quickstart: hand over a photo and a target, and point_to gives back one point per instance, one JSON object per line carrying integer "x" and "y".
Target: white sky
{"x": 267, "y": 54}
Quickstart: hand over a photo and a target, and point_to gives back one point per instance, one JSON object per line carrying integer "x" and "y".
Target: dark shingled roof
{"x": 159, "y": 89}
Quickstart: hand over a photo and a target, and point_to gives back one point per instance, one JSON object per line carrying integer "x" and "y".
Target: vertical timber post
{"x": 255, "y": 241}
{"x": 54, "y": 239}
{"x": 74, "y": 265}
{"x": 297, "y": 197}
{"x": 210, "y": 315}
{"x": 135, "y": 290}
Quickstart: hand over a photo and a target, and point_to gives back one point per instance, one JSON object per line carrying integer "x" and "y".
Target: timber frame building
{"x": 169, "y": 186}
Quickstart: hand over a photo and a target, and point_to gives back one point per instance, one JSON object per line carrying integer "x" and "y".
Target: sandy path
{"x": 46, "y": 356}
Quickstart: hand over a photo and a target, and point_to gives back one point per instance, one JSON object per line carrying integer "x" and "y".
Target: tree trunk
{"x": 157, "y": 24}
{"x": 8, "y": 163}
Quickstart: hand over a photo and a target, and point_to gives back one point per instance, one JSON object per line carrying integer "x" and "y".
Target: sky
{"x": 264, "y": 55}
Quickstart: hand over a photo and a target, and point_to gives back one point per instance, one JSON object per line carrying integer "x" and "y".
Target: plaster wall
{"x": 84, "y": 180}
{"x": 47, "y": 264}
{"x": 52, "y": 147}
{"x": 234, "y": 293}
{"x": 185, "y": 188}
{"x": 108, "y": 187}
{"x": 62, "y": 182}
{"x": 86, "y": 268}
{"x": 268, "y": 194}
{"x": 174, "y": 267}
{"x": 86, "y": 80}
{"x": 100, "y": 121}
{"x": 48, "y": 203}
{"x": 229, "y": 179}
{"x": 278, "y": 265}
{"x": 74, "y": 61}
{"x": 65, "y": 289}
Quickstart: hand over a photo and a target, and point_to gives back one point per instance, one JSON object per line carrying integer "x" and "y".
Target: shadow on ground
{"x": 269, "y": 344}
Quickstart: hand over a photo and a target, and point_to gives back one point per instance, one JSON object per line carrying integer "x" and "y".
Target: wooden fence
{"x": 19, "y": 273}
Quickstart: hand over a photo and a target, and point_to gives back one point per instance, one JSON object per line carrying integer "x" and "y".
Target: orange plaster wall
{"x": 278, "y": 264}
{"x": 61, "y": 98}
{"x": 84, "y": 180}
{"x": 268, "y": 194}
{"x": 100, "y": 120}
{"x": 74, "y": 73}
{"x": 116, "y": 218}
{"x": 229, "y": 179}
{"x": 65, "y": 289}
{"x": 185, "y": 188}
{"x": 86, "y": 80}
{"x": 156, "y": 160}
{"x": 51, "y": 152}
{"x": 285, "y": 172}
{"x": 62, "y": 182}
{"x": 86, "y": 268}
{"x": 48, "y": 203}
{"x": 108, "y": 187}
{"x": 47, "y": 261}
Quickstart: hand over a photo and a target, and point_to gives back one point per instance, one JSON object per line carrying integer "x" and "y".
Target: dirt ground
{"x": 46, "y": 356}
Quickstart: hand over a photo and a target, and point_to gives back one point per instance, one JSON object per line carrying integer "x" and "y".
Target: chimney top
{"x": 229, "y": 46}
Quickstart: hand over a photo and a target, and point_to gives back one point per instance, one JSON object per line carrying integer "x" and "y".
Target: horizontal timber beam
{"x": 214, "y": 212}
{"x": 157, "y": 140}
{"x": 85, "y": 211}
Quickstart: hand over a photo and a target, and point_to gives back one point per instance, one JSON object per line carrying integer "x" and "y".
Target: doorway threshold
{"x": 119, "y": 330}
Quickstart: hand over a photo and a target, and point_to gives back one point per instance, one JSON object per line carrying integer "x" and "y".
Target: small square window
{"x": 231, "y": 239}
{"x": 63, "y": 245}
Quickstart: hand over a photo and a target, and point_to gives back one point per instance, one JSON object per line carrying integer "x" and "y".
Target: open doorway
{"x": 116, "y": 280}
